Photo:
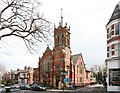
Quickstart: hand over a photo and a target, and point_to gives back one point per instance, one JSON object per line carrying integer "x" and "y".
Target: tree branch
{"x": 24, "y": 22}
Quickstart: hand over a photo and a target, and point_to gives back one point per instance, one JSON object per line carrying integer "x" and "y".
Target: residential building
{"x": 59, "y": 66}
{"x": 6, "y": 76}
{"x": 113, "y": 50}
{"x": 35, "y": 75}
{"x": 22, "y": 76}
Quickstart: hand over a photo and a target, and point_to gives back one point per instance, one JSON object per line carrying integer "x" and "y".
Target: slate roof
{"x": 75, "y": 58}
{"x": 116, "y": 13}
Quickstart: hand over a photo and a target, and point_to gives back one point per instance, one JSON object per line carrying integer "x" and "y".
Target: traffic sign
{"x": 65, "y": 73}
{"x": 67, "y": 80}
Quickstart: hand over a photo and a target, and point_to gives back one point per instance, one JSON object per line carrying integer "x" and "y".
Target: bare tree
{"x": 100, "y": 72}
{"x": 22, "y": 18}
{"x": 2, "y": 70}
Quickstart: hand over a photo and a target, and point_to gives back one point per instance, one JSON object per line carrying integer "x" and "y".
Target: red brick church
{"x": 58, "y": 66}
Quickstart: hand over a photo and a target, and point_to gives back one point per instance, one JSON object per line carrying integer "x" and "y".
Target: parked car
{"x": 15, "y": 87}
{"x": 36, "y": 87}
{"x": 25, "y": 87}
{"x": 2, "y": 88}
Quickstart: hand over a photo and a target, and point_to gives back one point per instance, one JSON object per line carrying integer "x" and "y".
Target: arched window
{"x": 47, "y": 64}
{"x": 62, "y": 39}
{"x": 81, "y": 70}
{"x": 77, "y": 69}
{"x": 58, "y": 39}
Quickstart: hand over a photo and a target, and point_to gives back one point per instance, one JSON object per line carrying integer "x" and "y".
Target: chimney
{"x": 25, "y": 67}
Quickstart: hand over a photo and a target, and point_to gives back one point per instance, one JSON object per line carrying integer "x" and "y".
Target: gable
{"x": 75, "y": 58}
{"x": 46, "y": 54}
{"x": 78, "y": 59}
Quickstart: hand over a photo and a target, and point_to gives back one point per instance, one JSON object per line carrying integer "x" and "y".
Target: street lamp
{"x": 28, "y": 78}
{"x": 63, "y": 65}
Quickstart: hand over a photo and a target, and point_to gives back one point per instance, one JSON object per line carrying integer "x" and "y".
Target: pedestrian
{"x": 105, "y": 84}
{"x": 72, "y": 86}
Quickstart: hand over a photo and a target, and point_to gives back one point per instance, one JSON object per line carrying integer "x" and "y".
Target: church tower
{"x": 62, "y": 35}
{"x": 61, "y": 53}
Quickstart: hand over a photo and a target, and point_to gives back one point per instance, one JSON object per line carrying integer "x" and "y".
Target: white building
{"x": 113, "y": 50}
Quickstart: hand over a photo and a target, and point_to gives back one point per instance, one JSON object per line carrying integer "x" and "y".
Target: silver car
{"x": 2, "y": 88}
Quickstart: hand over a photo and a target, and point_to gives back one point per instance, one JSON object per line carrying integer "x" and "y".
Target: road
{"x": 97, "y": 88}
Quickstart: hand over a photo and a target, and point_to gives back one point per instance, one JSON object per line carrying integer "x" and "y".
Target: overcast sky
{"x": 87, "y": 19}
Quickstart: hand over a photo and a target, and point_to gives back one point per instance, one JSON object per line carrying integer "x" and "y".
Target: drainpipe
{"x": 74, "y": 73}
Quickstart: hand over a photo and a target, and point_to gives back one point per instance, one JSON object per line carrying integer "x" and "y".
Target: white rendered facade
{"x": 113, "y": 51}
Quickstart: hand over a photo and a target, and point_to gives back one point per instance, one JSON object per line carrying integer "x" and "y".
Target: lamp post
{"x": 29, "y": 79}
{"x": 62, "y": 73}
{"x": 63, "y": 65}
{"x": 63, "y": 70}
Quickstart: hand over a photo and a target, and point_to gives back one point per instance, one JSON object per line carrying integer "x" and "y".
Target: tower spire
{"x": 61, "y": 23}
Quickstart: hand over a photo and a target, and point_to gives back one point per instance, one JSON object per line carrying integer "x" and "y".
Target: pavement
{"x": 59, "y": 90}
{"x": 97, "y": 88}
